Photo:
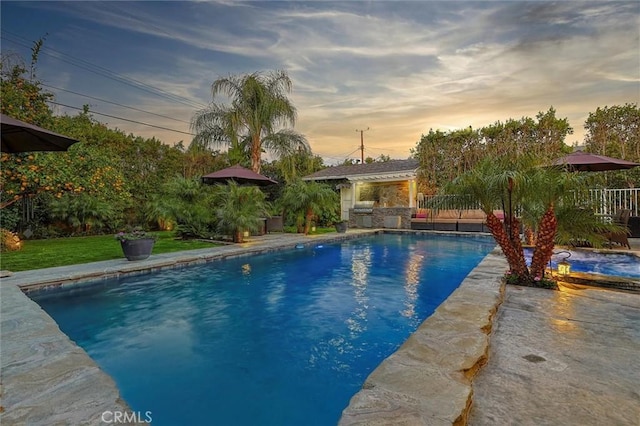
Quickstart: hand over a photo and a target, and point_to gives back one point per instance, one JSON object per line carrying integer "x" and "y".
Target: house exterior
{"x": 378, "y": 195}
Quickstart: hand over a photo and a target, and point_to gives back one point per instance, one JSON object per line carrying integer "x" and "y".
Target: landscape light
{"x": 564, "y": 267}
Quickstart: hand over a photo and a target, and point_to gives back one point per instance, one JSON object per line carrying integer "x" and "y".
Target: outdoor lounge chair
{"x": 621, "y": 237}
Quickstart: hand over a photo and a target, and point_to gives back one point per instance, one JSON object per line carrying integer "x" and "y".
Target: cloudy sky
{"x": 397, "y": 68}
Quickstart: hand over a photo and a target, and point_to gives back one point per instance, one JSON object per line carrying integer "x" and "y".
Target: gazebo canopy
{"x": 238, "y": 174}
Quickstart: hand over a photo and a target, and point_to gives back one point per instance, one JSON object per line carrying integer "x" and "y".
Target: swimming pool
{"x": 284, "y": 338}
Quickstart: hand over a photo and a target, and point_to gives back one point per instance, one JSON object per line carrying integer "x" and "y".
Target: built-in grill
{"x": 363, "y": 207}
{"x": 363, "y": 212}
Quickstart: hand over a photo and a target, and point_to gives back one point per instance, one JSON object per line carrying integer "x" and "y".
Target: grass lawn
{"x": 37, "y": 254}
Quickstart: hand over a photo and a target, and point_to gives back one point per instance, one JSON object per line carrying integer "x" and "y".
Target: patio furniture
{"x": 473, "y": 220}
{"x": 621, "y": 218}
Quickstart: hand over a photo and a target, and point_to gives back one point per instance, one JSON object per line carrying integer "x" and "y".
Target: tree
{"x": 445, "y": 155}
{"x": 239, "y": 209}
{"x": 84, "y": 213}
{"x": 297, "y": 165}
{"x": 615, "y": 131}
{"x": 22, "y": 95}
{"x": 307, "y": 200}
{"x": 187, "y": 203}
{"x": 524, "y": 192}
{"x": 259, "y": 107}
{"x": 198, "y": 161}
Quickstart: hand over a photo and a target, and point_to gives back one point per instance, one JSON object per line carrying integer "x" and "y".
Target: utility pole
{"x": 362, "y": 144}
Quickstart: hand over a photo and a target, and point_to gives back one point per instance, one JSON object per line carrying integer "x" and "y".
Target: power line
{"x": 349, "y": 154}
{"x": 124, "y": 119}
{"x": 104, "y": 72}
{"x": 115, "y": 103}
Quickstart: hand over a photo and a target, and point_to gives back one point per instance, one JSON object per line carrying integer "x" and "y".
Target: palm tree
{"x": 187, "y": 203}
{"x": 308, "y": 199}
{"x": 239, "y": 209}
{"x": 536, "y": 193}
{"x": 259, "y": 106}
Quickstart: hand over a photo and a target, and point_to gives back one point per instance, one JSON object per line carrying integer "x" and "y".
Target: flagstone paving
{"x": 569, "y": 357}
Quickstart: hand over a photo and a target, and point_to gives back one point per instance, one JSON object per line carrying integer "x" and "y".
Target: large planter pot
{"x": 341, "y": 227}
{"x": 137, "y": 249}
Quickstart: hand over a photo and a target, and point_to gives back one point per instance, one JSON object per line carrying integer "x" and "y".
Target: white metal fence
{"x": 605, "y": 201}
{"x": 609, "y": 201}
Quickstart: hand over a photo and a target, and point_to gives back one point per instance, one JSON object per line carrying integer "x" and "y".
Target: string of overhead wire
{"x": 121, "y": 118}
{"x": 346, "y": 157}
{"x": 381, "y": 151}
{"x": 113, "y": 76}
{"x": 114, "y": 103}
{"x": 104, "y": 72}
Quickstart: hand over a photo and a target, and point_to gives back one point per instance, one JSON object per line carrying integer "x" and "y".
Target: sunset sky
{"x": 397, "y": 68}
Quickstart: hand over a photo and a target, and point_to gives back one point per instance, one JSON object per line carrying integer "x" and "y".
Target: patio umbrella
{"x": 238, "y": 174}
{"x": 580, "y": 161}
{"x": 18, "y": 136}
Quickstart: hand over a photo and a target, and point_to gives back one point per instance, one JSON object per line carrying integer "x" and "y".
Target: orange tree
{"x": 107, "y": 169}
{"x": 27, "y": 175}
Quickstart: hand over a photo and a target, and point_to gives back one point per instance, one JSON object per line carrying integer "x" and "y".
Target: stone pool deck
{"x": 580, "y": 343}
{"x": 568, "y": 357}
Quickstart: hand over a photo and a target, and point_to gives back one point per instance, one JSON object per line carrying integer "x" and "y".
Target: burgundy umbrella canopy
{"x": 238, "y": 174}
{"x": 18, "y": 136}
{"x": 580, "y": 161}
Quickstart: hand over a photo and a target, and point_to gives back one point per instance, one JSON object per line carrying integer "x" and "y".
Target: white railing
{"x": 609, "y": 201}
{"x": 606, "y": 201}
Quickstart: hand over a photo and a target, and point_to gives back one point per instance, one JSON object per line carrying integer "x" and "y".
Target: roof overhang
{"x": 377, "y": 177}
{"x": 387, "y": 177}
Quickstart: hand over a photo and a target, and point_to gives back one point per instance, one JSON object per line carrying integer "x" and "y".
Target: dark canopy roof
{"x": 18, "y": 136}
{"x": 587, "y": 162}
{"x": 238, "y": 174}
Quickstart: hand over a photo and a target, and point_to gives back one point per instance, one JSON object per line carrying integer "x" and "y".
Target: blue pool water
{"x": 278, "y": 339}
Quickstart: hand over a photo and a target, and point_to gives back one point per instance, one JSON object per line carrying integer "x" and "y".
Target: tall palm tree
{"x": 258, "y": 108}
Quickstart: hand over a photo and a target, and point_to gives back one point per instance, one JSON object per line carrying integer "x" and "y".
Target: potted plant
{"x": 342, "y": 226}
{"x": 136, "y": 244}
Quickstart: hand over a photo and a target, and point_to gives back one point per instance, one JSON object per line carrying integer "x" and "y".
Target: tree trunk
{"x": 544, "y": 243}
{"x": 515, "y": 259}
{"x": 517, "y": 243}
{"x": 307, "y": 221}
{"x": 529, "y": 237}
{"x": 256, "y": 148}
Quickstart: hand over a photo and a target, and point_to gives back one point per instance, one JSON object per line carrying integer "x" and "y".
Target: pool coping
{"x": 46, "y": 377}
{"x": 428, "y": 380}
